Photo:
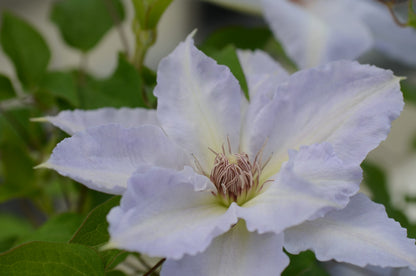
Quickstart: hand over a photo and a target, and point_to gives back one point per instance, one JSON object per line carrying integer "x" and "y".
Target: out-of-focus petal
{"x": 313, "y": 182}
{"x": 162, "y": 214}
{"x": 104, "y": 157}
{"x": 235, "y": 253}
{"x": 79, "y": 120}
{"x": 389, "y": 38}
{"x": 360, "y": 234}
{"x": 199, "y": 102}
{"x": 316, "y": 32}
{"x": 345, "y": 103}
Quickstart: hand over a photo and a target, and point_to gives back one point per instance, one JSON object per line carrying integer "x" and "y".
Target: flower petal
{"x": 313, "y": 182}
{"x": 316, "y": 32}
{"x": 393, "y": 40}
{"x": 104, "y": 157}
{"x": 199, "y": 102}
{"x": 345, "y": 103}
{"x": 360, "y": 234}
{"x": 79, "y": 120}
{"x": 237, "y": 252}
{"x": 162, "y": 215}
{"x": 263, "y": 76}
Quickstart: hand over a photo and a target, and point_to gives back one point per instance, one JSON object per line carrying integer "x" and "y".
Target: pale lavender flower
{"x": 314, "y": 32}
{"x": 318, "y": 31}
{"x": 218, "y": 185}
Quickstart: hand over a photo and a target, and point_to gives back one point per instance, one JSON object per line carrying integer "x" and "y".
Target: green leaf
{"x": 18, "y": 174}
{"x": 409, "y": 91}
{"x": 113, "y": 257}
{"x": 16, "y": 228}
{"x": 93, "y": 231}
{"x": 375, "y": 179}
{"x": 115, "y": 273}
{"x": 6, "y": 88}
{"x": 228, "y": 56}
{"x": 83, "y": 23}
{"x": 46, "y": 258}
{"x": 121, "y": 89}
{"x": 57, "y": 229}
{"x": 61, "y": 85}
{"x": 304, "y": 264}
{"x": 148, "y": 12}
{"x": 250, "y": 39}
{"x": 240, "y": 37}
{"x": 26, "y": 48}
{"x": 411, "y": 19}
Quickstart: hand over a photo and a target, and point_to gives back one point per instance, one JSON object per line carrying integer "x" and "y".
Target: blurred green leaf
{"x": 411, "y": 19}
{"x": 304, "y": 264}
{"x": 26, "y": 48}
{"x": 149, "y": 80}
{"x": 57, "y": 229}
{"x": 113, "y": 257}
{"x": 6, "y": 88}
{"x": 84, "y": 22}
{"x": 409, "y": 91}
{"x": 249, "y": 39}
{"x": 61, "y": 85}
{"x": 115, "y": 273}
{"x": 148, "y": 12}
{"x": 16, "y": 228}
{"x": 18, "y": 173}
{"x": 228, "y": 56}
{"x": 240, "y": 37}
{"x": 121, "y": 89}
{"x": 93, "y": 231}
{"x": 46, "y": 258}
{"x": 375, "y": 179}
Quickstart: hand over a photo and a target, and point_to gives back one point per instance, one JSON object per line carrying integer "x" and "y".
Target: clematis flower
{"x": 314, "y": 32}
{"x": 218, "y": 185}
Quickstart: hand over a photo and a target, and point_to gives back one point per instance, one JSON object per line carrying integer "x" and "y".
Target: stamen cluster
{"x": 235, "y": 177}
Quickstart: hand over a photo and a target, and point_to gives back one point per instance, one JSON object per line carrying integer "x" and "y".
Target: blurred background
{"x": 29, "y": 198}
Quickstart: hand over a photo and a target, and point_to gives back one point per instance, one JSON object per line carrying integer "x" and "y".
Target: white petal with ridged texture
{"x": 72, "y": 121}
{"x": 164, "y": 213}
{"x": 360, "y": 234}
{"x": 312, "y": 183}
{"x": 235, "y": 253}
{"x": 344, "y": 103}
{"x": 199, "y": 102}
{"x": 316, "y": 32}
{"x": 263, "y": 76}
{"x": 103, "y": 158}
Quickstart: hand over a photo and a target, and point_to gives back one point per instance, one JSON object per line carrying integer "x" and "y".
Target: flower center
{"x": 235, "y": 177}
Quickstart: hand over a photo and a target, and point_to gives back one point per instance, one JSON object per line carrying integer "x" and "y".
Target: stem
{"x": 81, "y": 79}
{"x": 156, "y": 266}
{"x": 396, "y": 20}
{"x": 143, "y": 262}
{"x": 117, "y": 22}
